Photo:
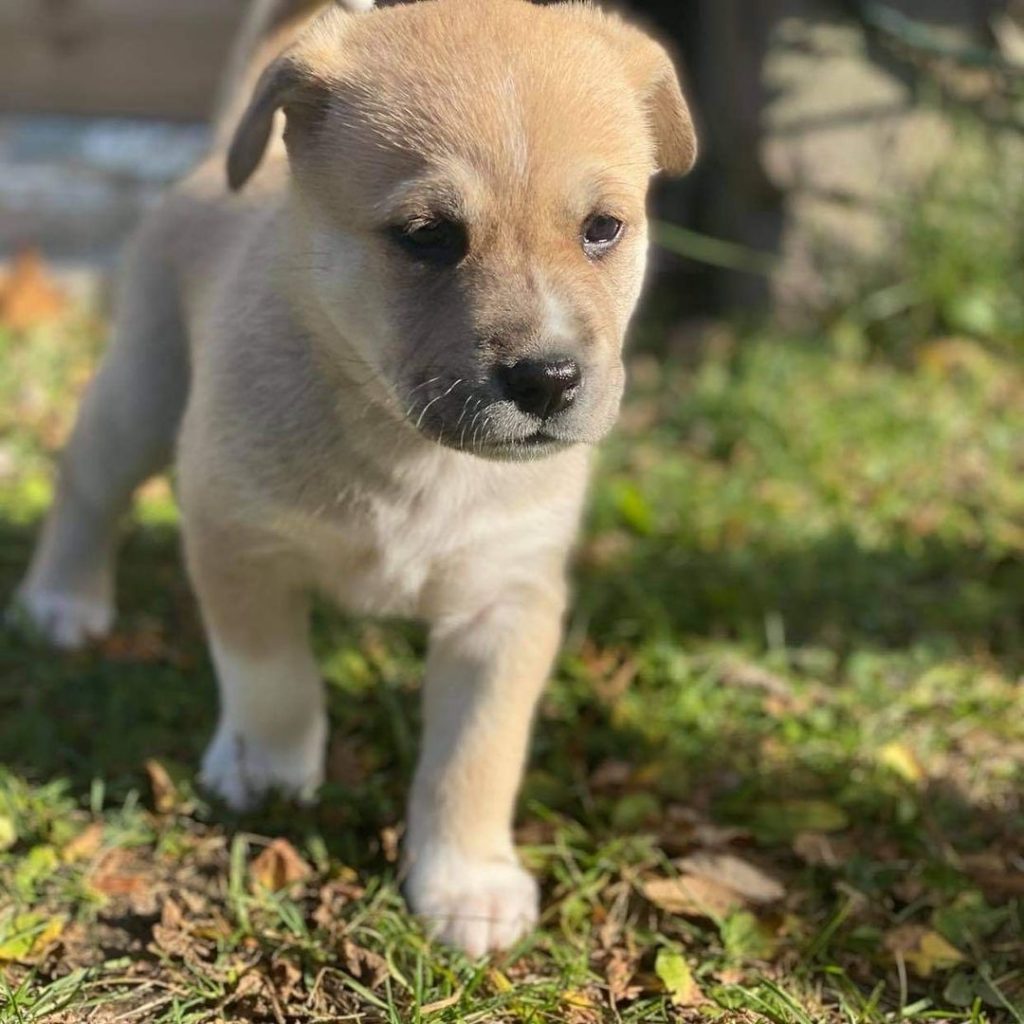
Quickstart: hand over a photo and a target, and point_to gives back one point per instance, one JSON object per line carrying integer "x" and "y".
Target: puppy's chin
{"x": 530, "y": 449}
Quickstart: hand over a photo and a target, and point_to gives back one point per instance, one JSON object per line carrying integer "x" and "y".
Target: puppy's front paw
{"x": 241, "y": 770}
{"x": 479, "y": 906}
{"x": 64, "y": 620}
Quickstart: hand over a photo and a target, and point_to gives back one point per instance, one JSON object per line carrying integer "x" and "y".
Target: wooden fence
{"x": 151, "y": 57}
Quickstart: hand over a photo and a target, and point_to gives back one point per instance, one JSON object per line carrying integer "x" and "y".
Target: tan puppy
{"x": 384, "y": 363}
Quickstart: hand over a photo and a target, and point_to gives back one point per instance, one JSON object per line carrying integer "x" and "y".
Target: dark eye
{"x": 600, "y": 233}
{"x": 440, "y": 241}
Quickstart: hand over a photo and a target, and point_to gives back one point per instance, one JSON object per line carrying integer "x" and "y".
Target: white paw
{"x": 66, "y": 621}
{"x": 242, "y": 770}
{"x": 479, "y": 906}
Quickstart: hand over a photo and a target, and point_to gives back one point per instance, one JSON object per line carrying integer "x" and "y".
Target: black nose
{"x": 542, "y": 387}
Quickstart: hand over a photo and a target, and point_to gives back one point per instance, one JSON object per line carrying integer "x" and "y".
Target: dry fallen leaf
{"x": 441, "y": 1004}
{"x": 334, "y": 896}
{"x": 28, "y": 295}
{"x": 114, "y": 875}
{"x": 286, "y": 977}
{"x": 368, "y": 967}
{"x": 173, "y": 938}
{"x": 162, "y": 788}
{"x": 619, "y": 971}
{"x": 925, "y": 951}
{"x": 730, "y": 871}
{"x": 691, "y": 896}
{"x": 85, "y": 845}
{"x": 278, "y": 866}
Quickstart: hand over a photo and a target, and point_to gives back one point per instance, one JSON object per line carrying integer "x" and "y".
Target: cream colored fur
{"x": 332, "y": 403}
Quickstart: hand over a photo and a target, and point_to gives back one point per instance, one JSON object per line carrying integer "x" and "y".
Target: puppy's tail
{"x": 270, "y": 27}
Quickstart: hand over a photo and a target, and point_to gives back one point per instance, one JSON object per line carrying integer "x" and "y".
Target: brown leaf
{"x": 28, "y": 296}
{"x": 278, "y": 866}
{"x": 363, "y": 964}
{"x": 334, "y": 896}
{"x": 112, "y": 875}
{"x": 162, "y": 788}
{"x": 85, "y": 845}
{"x": 286, "y": 977}
{"x": 171, "y": 915}
{"x": 692, "y": 896}
{"x": 173, "y": 937}
{"x": 619, "y": 971}
{"x": 730, "y": 871}
{"x": 441, "y": 1004}
{"x": 251, "y": 984}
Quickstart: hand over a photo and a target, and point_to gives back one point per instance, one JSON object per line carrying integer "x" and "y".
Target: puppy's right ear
{"x": 287, "y": 85}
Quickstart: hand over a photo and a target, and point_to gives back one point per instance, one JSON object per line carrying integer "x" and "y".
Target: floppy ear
{"x": 654, "y": 76}
{"x": 285, "y": 85}
{"x": 674, "y": 133}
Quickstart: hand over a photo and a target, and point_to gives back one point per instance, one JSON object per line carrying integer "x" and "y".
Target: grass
{"x": 778, "y": 776}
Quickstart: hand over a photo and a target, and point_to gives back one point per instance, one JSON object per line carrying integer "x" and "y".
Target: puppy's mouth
{"x": 477, "y": 419}
{"x": 533, "y": 446}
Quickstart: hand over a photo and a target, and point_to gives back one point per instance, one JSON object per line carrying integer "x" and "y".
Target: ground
{"x": 778, "y": 775}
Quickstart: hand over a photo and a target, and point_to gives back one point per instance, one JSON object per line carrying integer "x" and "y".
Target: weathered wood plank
{"x": 150, "y": 57}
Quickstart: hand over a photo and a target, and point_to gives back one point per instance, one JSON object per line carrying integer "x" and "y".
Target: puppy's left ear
{"x": 654, "y": 76}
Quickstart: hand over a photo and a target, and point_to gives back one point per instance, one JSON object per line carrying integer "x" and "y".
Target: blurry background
{"x": 815, "y": 115}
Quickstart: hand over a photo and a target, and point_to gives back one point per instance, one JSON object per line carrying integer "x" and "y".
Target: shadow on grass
{"x": 834, "y": 593}
{"x": 101, "y": 714}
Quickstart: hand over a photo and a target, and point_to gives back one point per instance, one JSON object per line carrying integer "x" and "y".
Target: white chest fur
{"x": 445, "y": 517}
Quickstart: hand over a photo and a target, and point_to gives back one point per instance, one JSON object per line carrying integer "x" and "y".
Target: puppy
{"x": 383, "y": 360}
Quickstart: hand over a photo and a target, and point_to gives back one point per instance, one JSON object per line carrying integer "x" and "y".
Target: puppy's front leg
{"x": 484, "y": 675}
{"x": 272, "y": 732}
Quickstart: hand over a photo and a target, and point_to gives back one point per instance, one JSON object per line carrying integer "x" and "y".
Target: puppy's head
{"x": 470, "y": 180}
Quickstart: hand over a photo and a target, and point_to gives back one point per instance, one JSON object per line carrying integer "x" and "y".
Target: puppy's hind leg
{"x": 124, "y": 434}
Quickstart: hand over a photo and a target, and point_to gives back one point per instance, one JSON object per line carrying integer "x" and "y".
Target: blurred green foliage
{"x": 952, "y": 263}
